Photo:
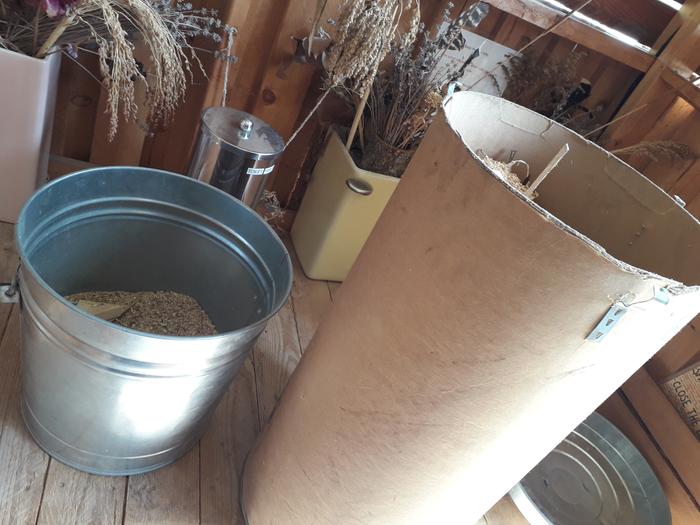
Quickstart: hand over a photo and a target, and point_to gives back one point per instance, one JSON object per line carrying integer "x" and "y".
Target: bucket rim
{"x": 26, "y": 265}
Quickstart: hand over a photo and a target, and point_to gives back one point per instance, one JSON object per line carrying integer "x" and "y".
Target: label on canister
{"x": 260, "y": 171}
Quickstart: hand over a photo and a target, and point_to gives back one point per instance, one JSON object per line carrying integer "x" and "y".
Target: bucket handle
{"x": 9, "y": 292}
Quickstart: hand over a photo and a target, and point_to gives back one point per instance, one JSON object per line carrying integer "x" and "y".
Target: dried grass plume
{"x": 660, "y": 150}
{"x": 363, "y": 37}
{"x": 117, "y": 31}
{"x": 168, "y": 64}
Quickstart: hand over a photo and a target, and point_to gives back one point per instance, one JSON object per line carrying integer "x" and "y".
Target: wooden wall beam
{"x": 683, "y": 87}
{"x": 588, "y": 36}
{"x": 286, "y": 81}
{"x": 76, "y": 107}
{"x": 679, "y": 53}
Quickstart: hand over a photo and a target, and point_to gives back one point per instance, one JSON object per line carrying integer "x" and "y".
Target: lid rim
{"x": 230, "y": 140}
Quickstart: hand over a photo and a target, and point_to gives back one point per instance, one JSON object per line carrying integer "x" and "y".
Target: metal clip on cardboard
{"x": 617, "y": 310}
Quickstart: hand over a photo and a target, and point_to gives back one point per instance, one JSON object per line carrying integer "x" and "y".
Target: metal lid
{"x": 241, "y": 131}
{"x": 595, "y": 476}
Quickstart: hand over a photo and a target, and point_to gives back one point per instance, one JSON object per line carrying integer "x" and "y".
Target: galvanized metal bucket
{"x": 107, "y": 399}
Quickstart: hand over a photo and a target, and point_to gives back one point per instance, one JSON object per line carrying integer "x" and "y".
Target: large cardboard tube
{"x": 456, "y": 356}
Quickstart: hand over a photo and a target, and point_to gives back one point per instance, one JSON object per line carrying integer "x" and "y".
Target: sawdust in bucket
{"x": 161, "y": 312}
{"x": 505, "y": 170}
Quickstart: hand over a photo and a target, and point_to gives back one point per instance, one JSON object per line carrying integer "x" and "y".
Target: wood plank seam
{"x": 257, "y": 393}
{"x": 43, "y": 491}
{"x": 296, "y": 323}
{"x": 661, "y": 452}
{"x": 6, "y": 323}
{"x": 199, "y": 475}
{"x": 25, "y": 466}
{"x": 126, "y": 493}
{"x": 2, "y": 338}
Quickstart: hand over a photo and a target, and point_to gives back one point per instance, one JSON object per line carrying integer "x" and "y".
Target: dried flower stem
{"x": 617, "y": 119}
{"x": 55, "y": 35}
{"x": 320, "y": 8}
{"x": 35, "y": 36}
{"x": 308, "y": 117}
{"x": 110, "y": 28}
{"x": 408, "y": 93}
{"x": 86, "y": 70}
{"x": 227, "y": 65}
{"x": 358, "y": 116}
{"x": 383, "y": 20}
{"x": 364, "y": 34}
{"x": 556, "y": 25}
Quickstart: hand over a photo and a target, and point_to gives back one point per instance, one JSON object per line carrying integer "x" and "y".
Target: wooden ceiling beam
{"x": 644, "y": 20}
{"x": 588, "y": 36}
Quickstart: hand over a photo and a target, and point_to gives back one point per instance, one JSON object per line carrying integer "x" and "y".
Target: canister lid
{"x": 242, "y": 131}
{"x": 595, "y": 476}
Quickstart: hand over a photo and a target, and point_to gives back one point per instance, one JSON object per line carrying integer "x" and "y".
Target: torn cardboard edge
{"x": 540, "y": 127}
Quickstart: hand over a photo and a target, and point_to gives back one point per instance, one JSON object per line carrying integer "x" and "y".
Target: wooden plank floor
{"x": 203, "y": 486}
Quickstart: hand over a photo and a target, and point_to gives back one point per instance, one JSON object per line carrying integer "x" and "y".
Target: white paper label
{"x": 260, "y": 171}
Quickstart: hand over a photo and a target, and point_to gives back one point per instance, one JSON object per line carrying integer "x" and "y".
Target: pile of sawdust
{"x": 162, "y": 313}
{"x": 504, "y": 171}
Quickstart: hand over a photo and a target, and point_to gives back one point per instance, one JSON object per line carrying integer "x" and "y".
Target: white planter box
{"x": 27, "y": 100}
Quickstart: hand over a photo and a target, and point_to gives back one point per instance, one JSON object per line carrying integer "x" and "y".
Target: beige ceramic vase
{"x": 341, "y": 206}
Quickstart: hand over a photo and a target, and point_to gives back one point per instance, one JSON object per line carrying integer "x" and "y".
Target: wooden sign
{"x": 683, "y": 391}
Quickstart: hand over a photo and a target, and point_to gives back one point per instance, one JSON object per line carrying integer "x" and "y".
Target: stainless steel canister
{"x": 235, "y": 152}
{"x": 107, "y": 399}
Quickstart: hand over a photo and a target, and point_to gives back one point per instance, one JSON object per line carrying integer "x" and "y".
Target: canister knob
{"x": 245, "y": 126}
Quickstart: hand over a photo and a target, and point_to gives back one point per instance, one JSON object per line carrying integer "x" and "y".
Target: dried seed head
{"x": 406, "y": 97}
{"x": 409, "y": 36}
{"x": 161, "y": 27}
{"x": 365, "y": 31}
{"x": 660, "y": 150}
